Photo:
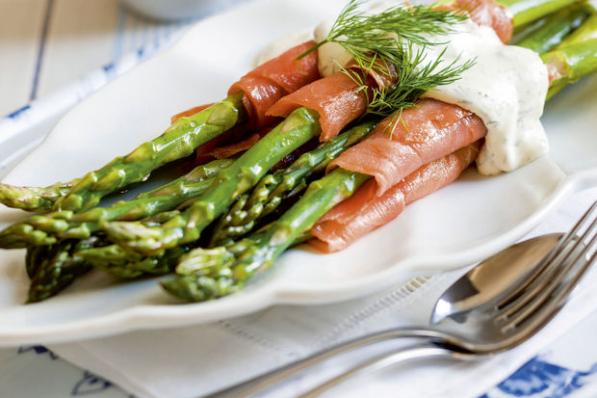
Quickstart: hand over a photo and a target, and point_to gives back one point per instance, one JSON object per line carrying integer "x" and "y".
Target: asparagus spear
{"x": 178, "y": 141}
{"x": 50, "y": 228}
{"x": 36, "y": 199}
{"x": 555, "y": 28}
{"x": 178, "y": 186}
{"x": 526, "y": 11}
{"x": 572, "y": 62}
{"x": 587, "y": 31}
{"x": 273, "y": 188}
{"x": 55, "y": 268}
{"x": 300, "y": 126}
{"x": 34, "y": 257}
{"x": 205, "y": 274}
{"x": 114, "y": 260}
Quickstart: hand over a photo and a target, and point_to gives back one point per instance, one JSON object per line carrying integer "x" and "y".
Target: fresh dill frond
{"x": 396, "y": 39}
{"x": 415, "y": 76}
{"x": 372, "y": 32}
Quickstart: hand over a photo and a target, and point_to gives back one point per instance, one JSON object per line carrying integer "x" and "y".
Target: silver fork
{"x": 514, "y": 318}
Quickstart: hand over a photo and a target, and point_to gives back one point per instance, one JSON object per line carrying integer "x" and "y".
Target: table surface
{"x": 44, "y": 46}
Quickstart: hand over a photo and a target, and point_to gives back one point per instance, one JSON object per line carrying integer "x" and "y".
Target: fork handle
{"x": 395, "y": 357}
{"x": 265, "y": 381}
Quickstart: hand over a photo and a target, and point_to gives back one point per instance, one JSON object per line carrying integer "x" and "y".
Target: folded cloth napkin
{"x": 199, "y": 360}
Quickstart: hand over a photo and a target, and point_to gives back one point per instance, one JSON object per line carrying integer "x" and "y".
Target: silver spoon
{"x": 481, "y": 286}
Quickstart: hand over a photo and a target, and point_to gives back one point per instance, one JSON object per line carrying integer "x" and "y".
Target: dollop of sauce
{"x": 506, "y": 88}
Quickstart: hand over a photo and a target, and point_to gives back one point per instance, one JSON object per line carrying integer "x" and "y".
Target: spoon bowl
{"x": 492, "y": 278}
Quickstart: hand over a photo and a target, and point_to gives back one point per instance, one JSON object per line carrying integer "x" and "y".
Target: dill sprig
{"x": 415, "y": 76}
{"x": 396, "y": 39}
{"x": 377, "y": 32}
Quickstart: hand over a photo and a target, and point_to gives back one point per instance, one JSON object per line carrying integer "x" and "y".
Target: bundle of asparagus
{"x": 161, "y": 231}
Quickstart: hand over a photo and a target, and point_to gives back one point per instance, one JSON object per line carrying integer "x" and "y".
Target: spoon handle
{"x": 267, "y": 380}
{"x": 393, "y": 358}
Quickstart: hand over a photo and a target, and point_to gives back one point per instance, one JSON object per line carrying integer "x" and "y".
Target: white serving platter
{"x": 455, "y": 227}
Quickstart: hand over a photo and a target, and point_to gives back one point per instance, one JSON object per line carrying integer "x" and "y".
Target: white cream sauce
{"x": 506, "y": 88}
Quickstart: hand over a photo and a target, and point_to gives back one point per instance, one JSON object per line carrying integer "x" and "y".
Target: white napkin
{"x": 195, "y": 361}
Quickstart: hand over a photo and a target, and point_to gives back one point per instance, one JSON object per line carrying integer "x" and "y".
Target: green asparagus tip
{"x": 26, "y": 198}
{"x": 555, "y": 28}
{"x": 20, "y": 236}
{"x": 201, "y": 259}
{"x": 127, "y": 230}
{"x": 112, "y": 255}
{"x": 54, "y": 275}
{"x": 135, "y": 236}
{"x": 204, "y": 274}
{"x": 198, "y": 288}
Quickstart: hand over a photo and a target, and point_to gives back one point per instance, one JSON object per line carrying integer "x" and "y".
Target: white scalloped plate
{"x": 457, "y": 226}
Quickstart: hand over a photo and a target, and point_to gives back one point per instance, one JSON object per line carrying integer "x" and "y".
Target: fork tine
{"x": 547, "y": 312}
{"x": 558, "y": 267}
{"x": 545, "y": 263}
{"x": 557, "y": 290}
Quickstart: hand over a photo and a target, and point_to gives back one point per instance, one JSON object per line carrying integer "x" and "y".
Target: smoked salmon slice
{"x": 292, "y": 69}
{"x": 259, "y": 95}
{"x": 365, "y": 210}
{"x": 405, "y": 141}
{"x": 336, "y": 98}
{"x": 278, "y": 77}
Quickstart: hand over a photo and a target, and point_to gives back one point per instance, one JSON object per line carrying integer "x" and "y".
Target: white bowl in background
{"x": 172, "y": 10}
